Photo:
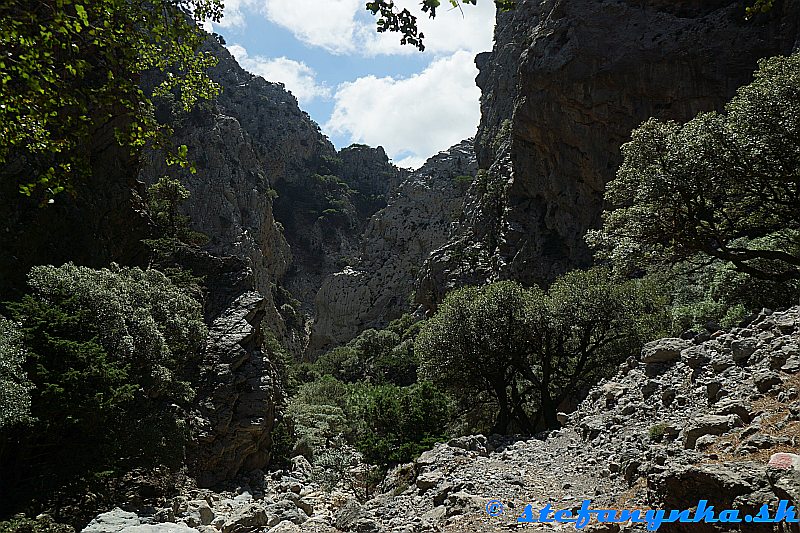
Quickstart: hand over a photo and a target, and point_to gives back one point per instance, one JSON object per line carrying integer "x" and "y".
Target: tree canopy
{"x": 723, "y": 185}
{"x": 103, "y": 384}
{"x": 71, "y": 68}
{"x": 392, "y": 19}
{"x": 526, "y": 351}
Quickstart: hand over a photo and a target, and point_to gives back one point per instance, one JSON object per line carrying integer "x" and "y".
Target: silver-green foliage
{"x": 317, "y": 417}
{"x": 526, "y": 350}
{"x": 724, "y": 185}
{"x": 140, "y": 316}
{"x": 15, "y": 389}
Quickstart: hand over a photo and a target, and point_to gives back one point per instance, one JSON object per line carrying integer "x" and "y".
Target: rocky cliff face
{"x": 321, "y": 198}
{"x": 325, "y": 210}
{"x": 281, "y": 209}
{"x": 562, "y": 89}
{"x": 271, "y": 190}
{"x": 378, "y": 285}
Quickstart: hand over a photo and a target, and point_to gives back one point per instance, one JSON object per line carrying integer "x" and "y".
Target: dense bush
{"x": 387, "y": 424}
{"x": 376, "y": 356}
{"x": 109, "y": 354}
{"x": 15, "y": 388}
{"x": 715, "y": 292}
{"x": 391, "y": 424}
{"x": 40, "y": 524}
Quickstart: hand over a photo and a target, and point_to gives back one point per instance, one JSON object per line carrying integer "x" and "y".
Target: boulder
{"x": 708, "y": 425}
{"x": 766, "y": 380}
{"x": 348, "y": 515}
{"x": 695, "y": 356}
{"x": 428, "y": 480}
{"x": 285, "y": 527}
{"x": 743, "y": 349}
{"x": 463, "y": 502}
{"x": 471, "y": 443}
{"x": 112, "y": 522}
{"x": 664, "y": 350}
{"x": 246, "y": 517}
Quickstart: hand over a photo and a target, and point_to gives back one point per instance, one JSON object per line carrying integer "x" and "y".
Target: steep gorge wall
{"x": 280, "y": 207}
{"x": 562, "y": 89}
{"x": 378, "y": 285}
{"x": 272, "y": 190}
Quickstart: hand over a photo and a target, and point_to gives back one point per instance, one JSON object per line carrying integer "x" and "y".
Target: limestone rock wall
{"x": 378, "y": 285}
{"x": 562, "y": 89}
{"x": 282, "y": 209}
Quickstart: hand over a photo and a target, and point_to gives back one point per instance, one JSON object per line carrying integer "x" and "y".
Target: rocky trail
{"x": 692, "y": 418}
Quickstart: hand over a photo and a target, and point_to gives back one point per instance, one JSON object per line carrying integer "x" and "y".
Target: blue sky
{"x": 361, "y": 86}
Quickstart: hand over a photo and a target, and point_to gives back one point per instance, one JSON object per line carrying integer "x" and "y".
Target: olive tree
{"x": 112, "y": 356}
{"x": 528, "y": 350}
{"x": 726, "y": 186}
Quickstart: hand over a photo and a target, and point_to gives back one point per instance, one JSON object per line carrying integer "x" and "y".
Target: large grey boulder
{"x": 708, "y": 425}
{"x": 664, "y": 350}
{"x": 113, "y": 521}
{"x": 247, "y": 517}
{"x": 119, "y": 521}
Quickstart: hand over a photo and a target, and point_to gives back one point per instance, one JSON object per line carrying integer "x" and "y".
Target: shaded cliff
{"x": 102, "y": 220}
{"x": 562, "y": 89}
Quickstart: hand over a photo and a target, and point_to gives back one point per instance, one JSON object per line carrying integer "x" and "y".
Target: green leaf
{"x": 81, "y": 11}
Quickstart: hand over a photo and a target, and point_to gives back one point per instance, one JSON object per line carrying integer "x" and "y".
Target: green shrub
{"x": 15, "y": 388}
{"x": 365, "y": 392}
{"x": 657, "y": 432}
{"x": 344, "y": 363}
{"x": 391, "y": 424}
{"x": 341, "y": 465}
{"x": 463, "y": 181}
{"x": 376, "y": 356}
{"x": 528, "y": 350}
{"x": 387, "y": 424}
{"x": 316, "y": 415}
{"x": 109, "y": 353}
{"x": 41, "y": 524}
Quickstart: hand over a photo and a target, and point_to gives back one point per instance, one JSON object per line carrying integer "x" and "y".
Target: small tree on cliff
{"x": 527, "y": 350}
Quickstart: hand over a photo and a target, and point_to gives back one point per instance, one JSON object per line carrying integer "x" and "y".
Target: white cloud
{"x": 329, "y": 24}
{"x": 345, "y": 27}
{"x": 470, "y": 28}
{"x": 298, "y": 77}
{"x": 411, "y": 117}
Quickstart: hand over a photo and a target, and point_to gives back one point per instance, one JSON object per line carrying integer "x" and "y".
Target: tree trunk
{"x": 549, "y": 412}
{"x": 503, "y": 412}
{"x": 518, "y": 411}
